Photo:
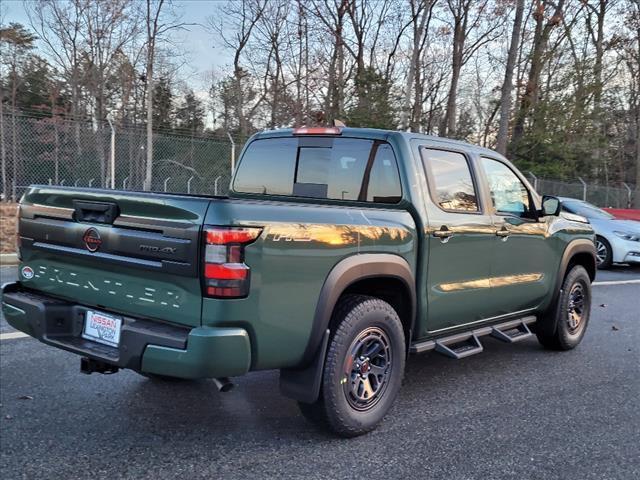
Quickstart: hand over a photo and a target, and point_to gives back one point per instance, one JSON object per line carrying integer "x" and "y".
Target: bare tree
{"x": 543, "y": 28}
{"x": 421, "y": 13}
{"x": 106, "y": 28}
{"x": 158, "y": 23}
{"x": 332, "y": 15}
{"x": 242, "y": 17}
{"x": 507, "y": 85}
{"x": 632, "y": 61}
{"x": 470, "y": 21}
{"x": 59, "y": 26}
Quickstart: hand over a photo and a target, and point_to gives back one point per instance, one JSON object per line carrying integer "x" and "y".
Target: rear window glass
{"x": 268, "y": 167}
{"x": 333, "y": 168}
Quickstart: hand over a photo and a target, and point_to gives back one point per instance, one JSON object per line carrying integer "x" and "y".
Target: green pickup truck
{"x": 337, "y": 252}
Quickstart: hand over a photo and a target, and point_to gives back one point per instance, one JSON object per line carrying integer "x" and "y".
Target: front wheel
{"x": 604, "y": 253}
{"x": 571, "y": 314}
{"x": 363, "y": 369}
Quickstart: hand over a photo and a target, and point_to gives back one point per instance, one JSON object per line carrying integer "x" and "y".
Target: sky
{"x": 198, "y": 43}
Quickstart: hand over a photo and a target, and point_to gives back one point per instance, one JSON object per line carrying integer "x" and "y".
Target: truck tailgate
{"x": 129, "y": 252}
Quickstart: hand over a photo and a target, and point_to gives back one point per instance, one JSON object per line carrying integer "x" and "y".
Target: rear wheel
{"x": 363, "y": 369}
{"x": 571, "y": 314}
{"x": 604, "y": 253}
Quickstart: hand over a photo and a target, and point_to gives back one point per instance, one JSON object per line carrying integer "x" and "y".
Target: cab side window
{"x": 450, "y": 180}
{"x": 509, "y": 195}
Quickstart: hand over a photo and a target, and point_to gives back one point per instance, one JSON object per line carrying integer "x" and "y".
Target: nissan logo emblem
{"x": 92, "y": 240}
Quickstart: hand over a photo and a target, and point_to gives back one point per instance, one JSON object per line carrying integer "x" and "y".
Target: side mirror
{"x": 550, "y": 206}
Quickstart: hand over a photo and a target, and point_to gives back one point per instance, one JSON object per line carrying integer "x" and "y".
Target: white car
{"x": 617, "y": 241}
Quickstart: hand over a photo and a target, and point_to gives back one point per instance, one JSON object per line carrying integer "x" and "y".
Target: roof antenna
{"x": 338, "y": 123}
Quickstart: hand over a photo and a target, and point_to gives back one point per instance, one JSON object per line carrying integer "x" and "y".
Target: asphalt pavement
{"x": 512, "y": 412}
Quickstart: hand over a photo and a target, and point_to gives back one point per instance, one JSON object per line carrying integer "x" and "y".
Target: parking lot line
{"x": 617, "y": 282}
{"x": 12, "y": 335}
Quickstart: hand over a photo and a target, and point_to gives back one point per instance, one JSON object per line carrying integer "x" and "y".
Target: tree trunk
{"x": 532, "y": 89}
{"x": 298, "y": 115}
{"x": 449, "y": 120}
{"x": 14, "y": 151}
{"x": 636, "y": 198}
{"x": 505, "y": 95}
{"x": 148, "y": 172}
{"x": 56, "y": 139}
{"x": 242, "y": 121}
{"x": 3, "y": 155}
{"x": 598, "y": 157}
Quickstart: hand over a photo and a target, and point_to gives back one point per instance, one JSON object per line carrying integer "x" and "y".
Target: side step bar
{"x": 464, "y": 344}
{"x": 459, "y": 348}
{"x": 511, "y": 332}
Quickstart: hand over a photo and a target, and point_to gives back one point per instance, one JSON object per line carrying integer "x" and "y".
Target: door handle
{"x": 444, "y": 234}
{"x": 503, "y": 233}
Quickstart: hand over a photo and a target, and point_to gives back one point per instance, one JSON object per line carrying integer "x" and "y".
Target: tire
{"x": 314, "y": 413}
{"x": 570, "y": 314}
{"x": 363, "y": 369}
{"x": 604, "y": 253}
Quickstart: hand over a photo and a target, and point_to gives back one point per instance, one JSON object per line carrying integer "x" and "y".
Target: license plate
{"x": 102, "y": 328}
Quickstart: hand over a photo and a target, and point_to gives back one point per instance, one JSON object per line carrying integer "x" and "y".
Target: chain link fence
{"x": 606, "y": 196}
{"x": 56, "y": 151}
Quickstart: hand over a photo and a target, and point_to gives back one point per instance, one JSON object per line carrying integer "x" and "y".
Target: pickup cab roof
{"x": 379, "y": 134}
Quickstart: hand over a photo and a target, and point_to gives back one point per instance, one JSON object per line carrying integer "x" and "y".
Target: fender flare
{"x": 575, "y": 247}
{"x": 303, "y": 383}
{"x": 347, "y": 272}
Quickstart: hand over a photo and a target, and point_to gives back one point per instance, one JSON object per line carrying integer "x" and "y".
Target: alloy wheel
{"x": 367, "y": 369}
{"x": 575, "y": 307}
{"x": 601, "y": 252}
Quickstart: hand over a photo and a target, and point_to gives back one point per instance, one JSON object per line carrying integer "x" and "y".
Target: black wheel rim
{"x": 575, "y": 307}
{"x": 367, "y": 369}
{"x": 601, "y": 252}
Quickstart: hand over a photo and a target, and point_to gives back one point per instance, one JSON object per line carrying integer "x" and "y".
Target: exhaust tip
{"x": 223, "y": 384}
{"x": 89, "y": 366}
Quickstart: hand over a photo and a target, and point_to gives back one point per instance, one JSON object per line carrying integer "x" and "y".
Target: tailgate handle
{"x": 95, "y": 212}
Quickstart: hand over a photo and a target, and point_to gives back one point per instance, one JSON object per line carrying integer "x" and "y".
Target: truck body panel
{"x": 298, "y": 247}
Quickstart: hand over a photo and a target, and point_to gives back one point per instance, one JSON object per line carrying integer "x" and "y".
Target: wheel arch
{"x": 577, "y": 252}
{"x": 373, "y": 274}
{"x": 369, "y": 273}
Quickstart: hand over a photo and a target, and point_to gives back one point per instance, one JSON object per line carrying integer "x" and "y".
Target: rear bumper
{"x": 145, "y": 345}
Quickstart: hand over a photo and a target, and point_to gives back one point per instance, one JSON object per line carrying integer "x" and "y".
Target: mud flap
{"x": 303, "y": 384}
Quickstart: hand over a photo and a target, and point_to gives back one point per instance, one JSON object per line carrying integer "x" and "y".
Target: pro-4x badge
{"x": 92, "y": 240}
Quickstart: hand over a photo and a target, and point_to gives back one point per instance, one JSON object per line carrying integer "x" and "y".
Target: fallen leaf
{"x": 25, "y": 397}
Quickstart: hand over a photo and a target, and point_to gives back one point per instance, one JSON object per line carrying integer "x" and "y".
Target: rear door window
{"x": 450, "y": 180}
{"x": 330, "y": 168}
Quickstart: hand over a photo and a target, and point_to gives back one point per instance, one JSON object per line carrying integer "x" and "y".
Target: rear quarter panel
{"x": 299, "y": 245}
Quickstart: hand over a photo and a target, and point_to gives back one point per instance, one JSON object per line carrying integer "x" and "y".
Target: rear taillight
{"x": 225, "y": 274}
